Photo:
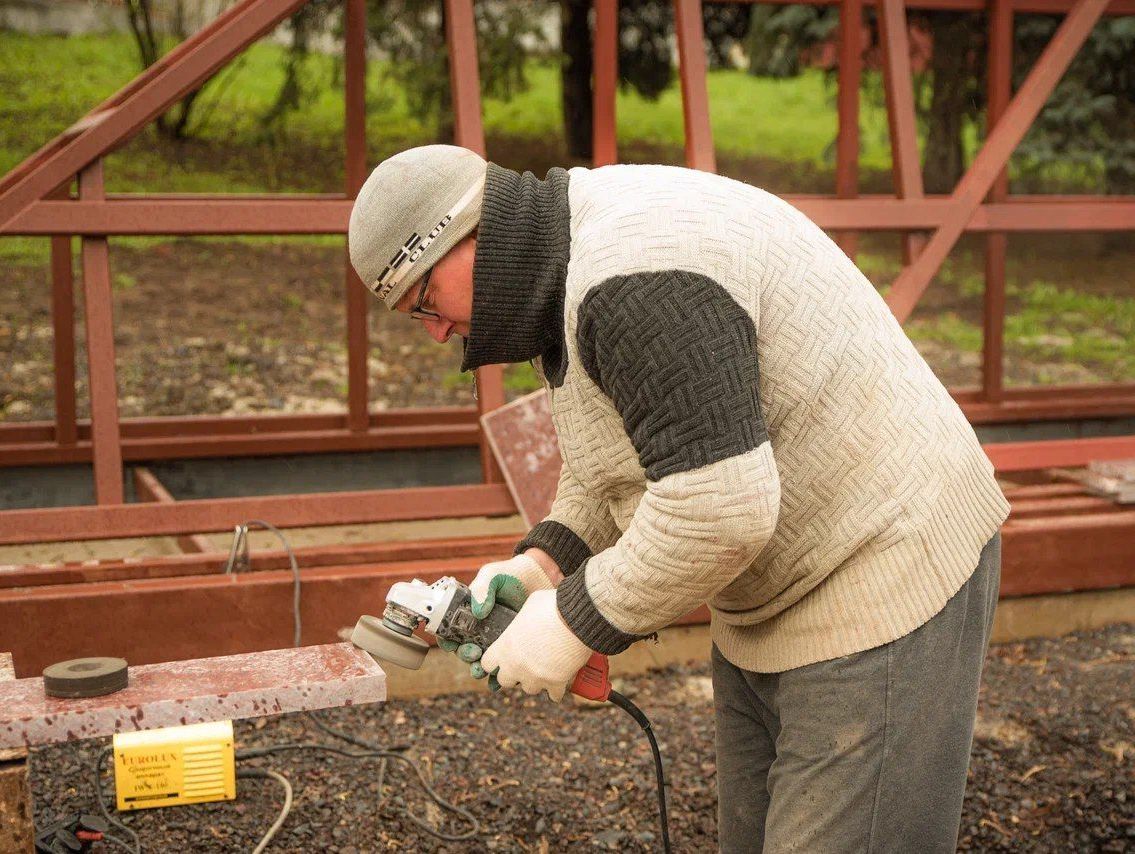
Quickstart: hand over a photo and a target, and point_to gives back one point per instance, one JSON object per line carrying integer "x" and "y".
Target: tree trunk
{"x": 944, "y": 162}
{"x": 575, "y": 76}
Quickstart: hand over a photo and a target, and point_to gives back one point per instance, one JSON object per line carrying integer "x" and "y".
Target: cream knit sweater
{"x": 742, "y": 420}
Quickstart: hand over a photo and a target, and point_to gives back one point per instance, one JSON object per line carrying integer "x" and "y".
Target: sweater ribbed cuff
{"x": 584, "y": 619}
{"x": 564, "y": 546}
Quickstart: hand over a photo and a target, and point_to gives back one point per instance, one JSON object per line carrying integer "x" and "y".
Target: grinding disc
{"x": 405, "y": 651}
{"x": 85, "y": 677}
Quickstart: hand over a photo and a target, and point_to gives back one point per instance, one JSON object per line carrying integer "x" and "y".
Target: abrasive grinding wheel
{"x": 85, "y": 677}
{"x": 405, "y": 651}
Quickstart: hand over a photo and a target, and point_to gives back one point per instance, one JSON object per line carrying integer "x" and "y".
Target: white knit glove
{"x": 537, "y": 651}
{"x": 521, "y": 567}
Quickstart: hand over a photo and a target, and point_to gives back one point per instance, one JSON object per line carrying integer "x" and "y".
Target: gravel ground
{"x": 1053, "y": 767}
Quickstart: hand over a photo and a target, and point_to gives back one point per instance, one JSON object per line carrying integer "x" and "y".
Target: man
{"x": 744, "y": 423}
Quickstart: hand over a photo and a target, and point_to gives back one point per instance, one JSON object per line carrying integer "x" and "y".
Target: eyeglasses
{"x": 417, "y": 311}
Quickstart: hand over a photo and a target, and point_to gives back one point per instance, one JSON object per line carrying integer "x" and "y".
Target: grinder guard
{"x": 446, "y": 609}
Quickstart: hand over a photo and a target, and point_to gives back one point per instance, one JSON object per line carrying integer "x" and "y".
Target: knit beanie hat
{"x": 414, "y": 207}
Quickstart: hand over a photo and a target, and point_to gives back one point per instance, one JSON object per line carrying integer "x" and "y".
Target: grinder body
{"x": 460, "y": 626}
{"x": 444, "y": 609}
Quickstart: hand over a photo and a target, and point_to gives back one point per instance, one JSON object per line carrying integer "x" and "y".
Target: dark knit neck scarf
{"x": 523, "y": 241}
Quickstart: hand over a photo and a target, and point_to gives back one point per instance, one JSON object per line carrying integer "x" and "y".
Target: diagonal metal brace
{"x": 1022, "y": 111}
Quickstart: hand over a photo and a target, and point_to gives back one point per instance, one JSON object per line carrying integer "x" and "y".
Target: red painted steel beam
{"x": 222, "y": 514}
{"x": 999, "y": 62}
{"x": 63, "y": 334}
{"x": 695, "y": 92}
{"x": 465, "y": 88}
{"x": 847, "y": 110}
{"x": 106, "y": 443}
{"x": 1024, "y": 456}
{"x": 478, "y": 549}
{"x": 464, "y": 75}
{"x": 159, "y": 619}
{"x": 273, "y": 444}
{"x": 140, "y": 103}
{"x": 1064, "y": 507}
{"x": 147, "y": 487}
{"x": 1039, "y": 7}
{"x": 994, "y": 154}
{"x": 1083, "y": 552}
{"x": 175, "y": 426}
{"x": 605, "y": 77}
{"x": 204, "y": 216}
{"x": 200, "y": 215}
{"x": 357, "y": 299}
{"x": 32, "y": 443}
{"x": 898, "y": 86}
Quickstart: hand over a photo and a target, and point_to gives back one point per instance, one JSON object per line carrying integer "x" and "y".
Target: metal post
{"x": 695, "y": 94}
{"x": 898, "y": 85}
{"x": 63, "y": 329}
{"x": 605, "y": 46}
{"x": 465, "y": 87}
{"x": 847, "y": 142}
{"x": 99, "y": 312}
{"x": 999, "y": 90}
{"x": 358, "y": 300}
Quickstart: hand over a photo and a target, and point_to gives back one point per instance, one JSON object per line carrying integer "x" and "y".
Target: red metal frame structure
{"x": 36, "y": 199}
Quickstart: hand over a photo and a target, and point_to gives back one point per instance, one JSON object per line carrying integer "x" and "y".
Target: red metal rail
{"x": 157, "y": 605}
{"x": 35, "y": 199}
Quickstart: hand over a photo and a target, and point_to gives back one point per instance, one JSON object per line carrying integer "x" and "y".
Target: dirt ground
{"x": 1053, "y": 767}
{"x": 216, "y": 327}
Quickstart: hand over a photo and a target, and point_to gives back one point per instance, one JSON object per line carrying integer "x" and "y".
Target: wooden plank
{"x": 17, "y": 830}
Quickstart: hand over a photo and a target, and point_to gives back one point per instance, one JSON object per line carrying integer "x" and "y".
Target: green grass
{"x": 789, "y": 120}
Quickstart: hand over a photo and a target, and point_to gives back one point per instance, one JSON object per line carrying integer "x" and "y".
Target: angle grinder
{"x": 444, "y": 610}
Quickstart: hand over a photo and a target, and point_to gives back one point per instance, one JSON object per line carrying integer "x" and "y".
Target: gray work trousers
{"x": 867, "y": 752}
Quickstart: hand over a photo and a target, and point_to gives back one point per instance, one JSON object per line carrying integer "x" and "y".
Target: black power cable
{"x": 635, "y": 712}
{"x": 132, "y": 845}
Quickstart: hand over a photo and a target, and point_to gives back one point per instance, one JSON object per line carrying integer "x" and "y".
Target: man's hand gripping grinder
{"x": 444, "y": 610}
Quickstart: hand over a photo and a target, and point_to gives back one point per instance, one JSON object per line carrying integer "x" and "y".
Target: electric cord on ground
{"x": 255, "y": 752}
{"x": 239, "y": 546}
{"x": 635, "y": 712}
{"x": 284, "y": 811}
{"x": 133, "y": 845}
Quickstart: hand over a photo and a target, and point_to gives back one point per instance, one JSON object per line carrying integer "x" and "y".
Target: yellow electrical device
{"x": 176, "y": 765}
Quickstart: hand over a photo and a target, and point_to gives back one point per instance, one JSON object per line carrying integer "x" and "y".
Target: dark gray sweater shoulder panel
{"x": 678, "y": 357}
